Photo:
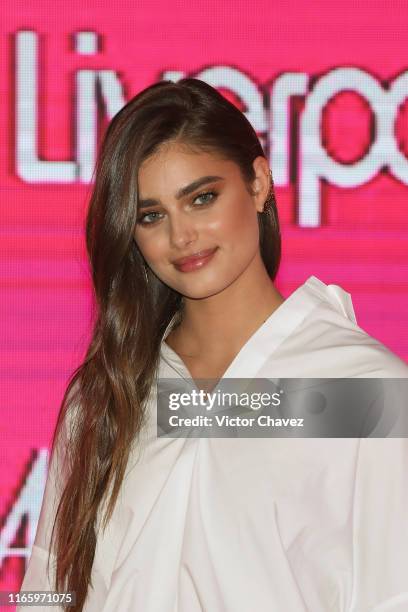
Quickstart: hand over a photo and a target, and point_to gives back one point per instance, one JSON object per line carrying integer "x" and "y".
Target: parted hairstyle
{"x": 106, "y": 396}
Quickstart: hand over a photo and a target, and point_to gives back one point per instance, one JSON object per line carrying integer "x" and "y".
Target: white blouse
{"x": 258, "y": 524}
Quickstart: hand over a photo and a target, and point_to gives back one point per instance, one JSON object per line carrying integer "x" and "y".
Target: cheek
{"x": 150, "y": 246}
{"x": 238, "y": 224}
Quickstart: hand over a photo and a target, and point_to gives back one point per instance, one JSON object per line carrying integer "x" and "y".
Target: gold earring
{"x": 270, "y": 200}
{"x": 145, "y": 274}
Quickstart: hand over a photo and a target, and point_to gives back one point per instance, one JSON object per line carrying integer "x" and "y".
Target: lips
{"x": 194, "y": 257}
{"x": 195, "y": 261}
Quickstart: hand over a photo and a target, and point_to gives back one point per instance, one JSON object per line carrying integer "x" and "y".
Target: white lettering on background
{"x": 272, "y": 122}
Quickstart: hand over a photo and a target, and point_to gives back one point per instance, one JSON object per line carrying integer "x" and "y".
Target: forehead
{"x": 175, "y": 165}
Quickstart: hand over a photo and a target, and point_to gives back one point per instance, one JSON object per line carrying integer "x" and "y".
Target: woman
{"x": 184, "y": 244}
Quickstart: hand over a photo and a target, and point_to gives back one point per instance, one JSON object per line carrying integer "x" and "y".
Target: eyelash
{"x": 140, "y": 220}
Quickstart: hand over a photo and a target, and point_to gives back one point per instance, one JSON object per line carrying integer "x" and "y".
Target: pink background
{"x": 360, "y": 242}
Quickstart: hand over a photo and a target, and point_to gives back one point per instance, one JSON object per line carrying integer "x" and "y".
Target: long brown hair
{"x": 106, "y": 397}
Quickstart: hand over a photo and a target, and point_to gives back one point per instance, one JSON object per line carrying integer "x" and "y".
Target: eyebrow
{"x": 183, "y": 191}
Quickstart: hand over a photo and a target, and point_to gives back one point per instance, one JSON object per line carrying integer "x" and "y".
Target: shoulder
{"x": 333, "y": 344}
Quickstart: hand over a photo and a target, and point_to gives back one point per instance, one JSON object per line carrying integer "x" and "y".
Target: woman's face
{"x": 218, "y": 216}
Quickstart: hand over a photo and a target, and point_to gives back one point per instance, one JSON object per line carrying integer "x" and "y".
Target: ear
{"x": 262, "y": 182}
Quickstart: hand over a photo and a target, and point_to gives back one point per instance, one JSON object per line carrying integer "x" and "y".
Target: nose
{"x": 182, "y": 231}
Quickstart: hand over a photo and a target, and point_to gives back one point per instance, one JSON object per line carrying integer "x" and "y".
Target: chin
{"x": 203, "y": 289}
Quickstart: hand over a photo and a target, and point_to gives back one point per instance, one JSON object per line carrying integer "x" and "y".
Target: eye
{"x": 208, "y": 196}
{"x": 142, "y": 219}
